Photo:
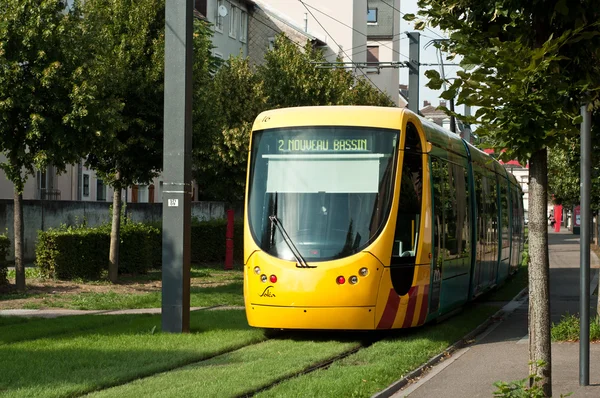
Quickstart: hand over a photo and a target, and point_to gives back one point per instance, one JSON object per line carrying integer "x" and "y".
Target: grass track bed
{"x": 376, "y": 367}
{"x": 74, "y": 364}
{"x": 236, "y": 373}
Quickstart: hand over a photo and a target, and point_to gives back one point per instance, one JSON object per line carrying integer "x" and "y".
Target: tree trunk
{"x": 18, "y": 238}
{"x": 539, "y": 272}
{"x": 113, "y": 266}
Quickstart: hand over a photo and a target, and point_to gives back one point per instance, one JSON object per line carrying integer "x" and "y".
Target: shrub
{"x": 208, "y": 241}
{"x": 569, "y": 327}
{"x": 140, "y": 248}
{"x": 72, "y": 252}
{"x": 4, "y": 248}
{"x": 81, "y": 252}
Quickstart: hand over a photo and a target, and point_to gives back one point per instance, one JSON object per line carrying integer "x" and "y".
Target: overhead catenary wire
{"x": 348, "y": 26}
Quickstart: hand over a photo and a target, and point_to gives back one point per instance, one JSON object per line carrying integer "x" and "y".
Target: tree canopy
{"x": 38, "y": 64}
{"x": 527, "y": 67}
{"x": 239, "y": 92}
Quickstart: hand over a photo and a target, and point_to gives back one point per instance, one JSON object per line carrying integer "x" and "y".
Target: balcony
{"x": 49, "y": 194}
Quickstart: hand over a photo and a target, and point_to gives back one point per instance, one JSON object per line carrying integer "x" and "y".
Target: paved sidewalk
{"x": 501, "y": 352}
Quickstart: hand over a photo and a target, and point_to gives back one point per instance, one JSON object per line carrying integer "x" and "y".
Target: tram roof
{"x": 334, "y": 115}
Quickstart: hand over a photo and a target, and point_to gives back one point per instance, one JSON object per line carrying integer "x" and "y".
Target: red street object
{"x": 558, "y": 210}
{"x": 229, "y": 241}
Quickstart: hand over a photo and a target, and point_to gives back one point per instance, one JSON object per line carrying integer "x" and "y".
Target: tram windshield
{"x": 330, "y": 188}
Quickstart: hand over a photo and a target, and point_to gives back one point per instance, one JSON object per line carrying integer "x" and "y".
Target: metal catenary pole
{"x": 413, "y": 70}
{"x": 177, "y": 166}
{"x": 584, "y": 247}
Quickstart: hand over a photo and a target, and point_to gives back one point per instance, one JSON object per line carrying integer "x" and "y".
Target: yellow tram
{"x": 363, "y": 218}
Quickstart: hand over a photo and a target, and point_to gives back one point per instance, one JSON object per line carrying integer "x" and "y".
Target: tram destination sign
{"x": 324, "y": 144}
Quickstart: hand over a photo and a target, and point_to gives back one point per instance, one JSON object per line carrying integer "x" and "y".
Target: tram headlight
{"x": 340, "y": 280}
{"x": 257, "y": 270}
{"x": 353, "y": 280}
{"x": 364, "y": 271}
{"x": 273, "y": 278}
{"x": 263, "y": 278}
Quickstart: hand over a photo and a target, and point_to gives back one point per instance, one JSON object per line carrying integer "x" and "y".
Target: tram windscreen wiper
{"x": 300, "y": 261}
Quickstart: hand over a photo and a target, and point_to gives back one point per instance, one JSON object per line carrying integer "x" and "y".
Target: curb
{"x": 465, "y": 341}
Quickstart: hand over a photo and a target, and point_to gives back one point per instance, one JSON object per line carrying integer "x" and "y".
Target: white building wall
{"x": 342, "y": 24}
{"x": 387, "y": 79}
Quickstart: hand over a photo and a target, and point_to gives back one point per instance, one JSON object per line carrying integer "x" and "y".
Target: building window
{"x": 142, "y": 193}
{"x": 218, "y": 54}
{"x": 271, "y": 43}
{"x": 372, "y": 58}
{"x": 86, "y": 185}
{"x": 200, "y": 6}
{"x": 233, "y": 22}
{"x": 372, "y": 15}
{"x": 100, "y": 190}
{"x": 243, "y": 26}
{"x": 218, "y": 17}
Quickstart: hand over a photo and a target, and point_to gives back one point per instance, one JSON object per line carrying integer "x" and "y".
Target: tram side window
{"x": 409, "y": 208}
{"x": 457, "y": 219}
{"x": 504, "y": 218}
{"x": 438, "y": 178}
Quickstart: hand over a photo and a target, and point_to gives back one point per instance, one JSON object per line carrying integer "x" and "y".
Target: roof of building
{"x": 273, "y": 13}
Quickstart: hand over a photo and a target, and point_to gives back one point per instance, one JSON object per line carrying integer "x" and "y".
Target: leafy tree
{"x": 228, "y": 105}
{"x": 37, "y": 66}
{"x": 527, "y": 66}
{"x": 237, "y": 94}
{"x": 564, "y": 168}
{"x": 123, "y": 82}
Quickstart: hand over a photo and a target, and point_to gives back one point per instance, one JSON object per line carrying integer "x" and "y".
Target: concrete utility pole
{"x": 584, "y": 248}
{"x": 177, "y": 161}
{"x": 414, "y": 70}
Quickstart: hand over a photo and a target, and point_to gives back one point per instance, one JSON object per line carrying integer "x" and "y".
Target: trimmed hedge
{"x": 81, "y": 252}
{"x": 4, "y": 248}
{"x": 70, "y": 253}
{"x": 208, "y": 241}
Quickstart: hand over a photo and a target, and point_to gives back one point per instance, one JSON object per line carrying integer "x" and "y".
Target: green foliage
{"x": 37, "y": 66}
{"x": 568, "y": 329}
{"x": 522, "y": 388}
{"x": 69, "y": 253}
{"x": 526, "y": 66}
{"x": 4, "y": 248}
{"x": 564, "y": 167}
{"x": 140, "y": 248}
{"x": 225, "y": 108}
{"x": 82, "y": 253}
{"x": 121, "y": 87}
{"x": 208, "y": 241}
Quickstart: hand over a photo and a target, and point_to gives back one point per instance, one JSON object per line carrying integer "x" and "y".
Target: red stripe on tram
{"x": 390, "y": 311}
{"x": 410, "y": 310}
{"x": 424, "y": 305}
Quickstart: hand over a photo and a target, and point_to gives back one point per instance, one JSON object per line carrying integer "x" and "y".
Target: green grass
{"x": 16, "y": 329}
{"x": 231, "y": 294}
{"x": 237, "y": 373}
{"x": 130, "y": 347}
{"x": 229, "y": 291}
{"x": 30, "y": 273}
{"x": 569, "y": 326}
{"x": 374, "y": 368}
